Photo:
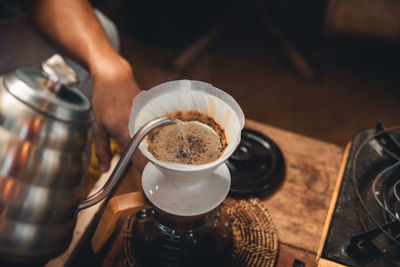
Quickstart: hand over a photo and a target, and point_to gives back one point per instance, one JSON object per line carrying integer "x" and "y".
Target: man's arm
{"x": 72, "y": 26}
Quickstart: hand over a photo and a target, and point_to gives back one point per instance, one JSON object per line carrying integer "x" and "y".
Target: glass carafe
{"x": 162, "y": 239}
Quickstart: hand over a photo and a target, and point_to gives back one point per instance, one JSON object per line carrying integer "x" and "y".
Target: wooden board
{"x": 299, "y": 207}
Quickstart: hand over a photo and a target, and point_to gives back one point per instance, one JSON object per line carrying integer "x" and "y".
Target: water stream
{"x": 186, "y": 146}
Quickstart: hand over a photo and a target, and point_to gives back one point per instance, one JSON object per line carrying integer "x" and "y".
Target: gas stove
{"x": 363, "y": 223}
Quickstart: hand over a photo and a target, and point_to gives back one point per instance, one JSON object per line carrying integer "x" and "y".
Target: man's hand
{"x": 114, "y": 89}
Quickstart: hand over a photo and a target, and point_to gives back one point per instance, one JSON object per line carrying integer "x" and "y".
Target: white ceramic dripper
{"x": 188, "y": 95}
{"x": 183, "y": 189}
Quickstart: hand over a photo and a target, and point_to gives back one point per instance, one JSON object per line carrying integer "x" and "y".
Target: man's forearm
{"x": 73, "y": 27}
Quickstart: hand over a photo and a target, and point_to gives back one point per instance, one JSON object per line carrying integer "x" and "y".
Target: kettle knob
{"x": 58, "y": 73}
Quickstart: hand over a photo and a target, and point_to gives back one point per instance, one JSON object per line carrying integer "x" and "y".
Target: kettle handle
{"x": 118, "y": 207}
{"x": 124, "y": 161}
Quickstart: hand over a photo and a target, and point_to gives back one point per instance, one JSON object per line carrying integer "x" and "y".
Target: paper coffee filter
{"x": 187, "y": 95}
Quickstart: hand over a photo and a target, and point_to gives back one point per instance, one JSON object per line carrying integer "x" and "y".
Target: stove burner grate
{"x": 363, "y": 225}
{"x": 380, "y": 220}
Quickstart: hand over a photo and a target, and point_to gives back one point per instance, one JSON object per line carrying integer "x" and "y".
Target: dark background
{"x": 255, "y": 49}
{"x": 355, "y": 78}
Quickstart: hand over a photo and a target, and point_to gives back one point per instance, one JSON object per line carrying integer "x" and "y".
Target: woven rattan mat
{"x": 255, "y": 240}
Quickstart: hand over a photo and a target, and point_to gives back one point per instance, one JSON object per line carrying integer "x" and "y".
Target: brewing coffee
{"x": 195, "y": 139}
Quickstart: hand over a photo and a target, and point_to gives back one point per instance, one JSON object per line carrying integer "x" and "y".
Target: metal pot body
{"x": 42, "y": 162}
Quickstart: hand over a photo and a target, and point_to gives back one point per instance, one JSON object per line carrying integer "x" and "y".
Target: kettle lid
{"x": 34, "y": 88}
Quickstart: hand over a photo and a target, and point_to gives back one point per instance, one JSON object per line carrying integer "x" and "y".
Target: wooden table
{"x": 299, "y": 208}
{"x": 300, "y": 205}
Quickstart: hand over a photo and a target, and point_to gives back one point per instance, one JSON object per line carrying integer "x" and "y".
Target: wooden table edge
{"x": 323, "y": 262}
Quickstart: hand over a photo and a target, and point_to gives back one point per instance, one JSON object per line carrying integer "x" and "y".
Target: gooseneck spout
{"x": 124, "y": 161}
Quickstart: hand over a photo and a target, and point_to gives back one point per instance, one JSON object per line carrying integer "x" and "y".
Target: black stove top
{"x": 365, "y": 225}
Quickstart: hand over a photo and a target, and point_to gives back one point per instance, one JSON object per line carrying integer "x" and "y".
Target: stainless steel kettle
{"x": 46, "y": 130}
